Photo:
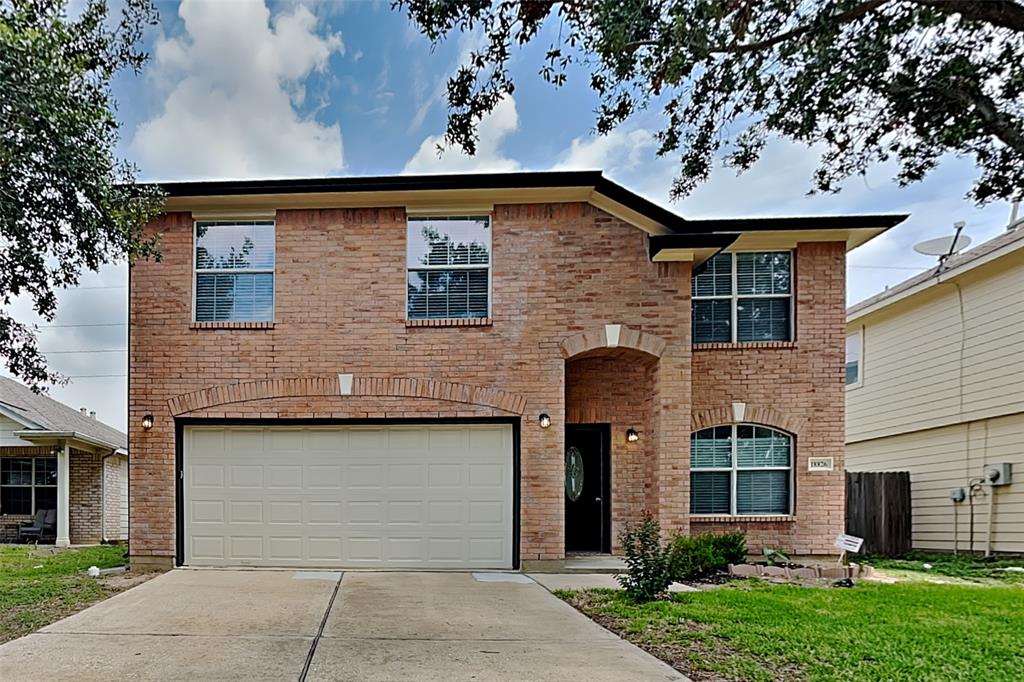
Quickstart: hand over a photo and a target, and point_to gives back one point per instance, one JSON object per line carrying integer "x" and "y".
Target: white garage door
{"x": 390, "y": 496}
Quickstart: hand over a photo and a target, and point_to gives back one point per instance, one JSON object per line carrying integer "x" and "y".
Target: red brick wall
{"x": 112, "y": 472}
{"x": 558, "y": 270}
{"x": 86, "y": 508}
{"x": 799, "y": 388}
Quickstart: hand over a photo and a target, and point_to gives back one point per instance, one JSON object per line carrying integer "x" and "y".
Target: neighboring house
{"x": 935, "y": 386}
{"x": 56, "y": 457}
{"x": 478, "y": 371}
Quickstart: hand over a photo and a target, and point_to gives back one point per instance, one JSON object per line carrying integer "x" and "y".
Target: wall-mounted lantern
{"x": 544, "y": 420}
{"x": 632, "y": 436}
{"x": 147, "y": 422}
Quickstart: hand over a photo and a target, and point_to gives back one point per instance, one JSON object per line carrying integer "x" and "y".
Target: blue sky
{"x": 247, "y": 88}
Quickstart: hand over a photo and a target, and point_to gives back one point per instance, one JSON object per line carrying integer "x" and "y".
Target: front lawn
{"x": 963, "y": 567}
{"x": 758, "y": 631}
{"x": 38, "y": 587}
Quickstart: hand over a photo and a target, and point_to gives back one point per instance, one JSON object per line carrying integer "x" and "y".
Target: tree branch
{"x": 1004, "y": 13}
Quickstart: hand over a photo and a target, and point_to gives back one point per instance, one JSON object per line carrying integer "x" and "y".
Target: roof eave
{"x": 49, "y": 437}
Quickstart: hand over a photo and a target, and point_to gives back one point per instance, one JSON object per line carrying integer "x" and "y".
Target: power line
{"x": 93, "y": 376}
{"x": 884, "y": 267}
{"x": 65, "y": 352}
{"x": 111, "y": 286}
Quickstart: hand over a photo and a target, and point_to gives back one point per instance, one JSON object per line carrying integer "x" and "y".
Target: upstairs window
{"x": 854, "y": 352}
{"x": 449, "y": 267}
{"x": 742, "y": 469}
{"x": 743, "y": 297}
{"x": 234, "y": 271}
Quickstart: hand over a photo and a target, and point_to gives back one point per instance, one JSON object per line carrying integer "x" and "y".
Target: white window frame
{"x": 33, "y": 485}
{"x": 469, "y": 266}
{"x": 732, "y": 470}
{"x": 232, "y": 271}
{"x": 859, "y": 333}
{"x": 735, "y": 296}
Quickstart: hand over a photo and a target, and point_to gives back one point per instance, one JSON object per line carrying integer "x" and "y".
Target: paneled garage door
{"x": 389, "y": 496}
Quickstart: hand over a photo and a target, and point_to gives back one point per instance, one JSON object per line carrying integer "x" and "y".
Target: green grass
{"x": 964, "y": 567}
{"x": 37, "y": 588}
{"x": 757, "y": 631}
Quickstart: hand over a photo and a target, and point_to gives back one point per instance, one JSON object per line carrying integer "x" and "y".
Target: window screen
{"x": 740, "y": 469}
{"x": 234, "y": 271}
{"x": 743, "y": 297}
{"x": 448, "y": 262}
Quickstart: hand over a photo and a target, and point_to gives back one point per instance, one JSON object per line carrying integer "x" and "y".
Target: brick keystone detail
{"x": 627, "y": 337}
{"x": 753, "y": 414}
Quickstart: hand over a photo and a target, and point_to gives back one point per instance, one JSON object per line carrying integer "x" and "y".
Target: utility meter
{"x": 998, "y": 474}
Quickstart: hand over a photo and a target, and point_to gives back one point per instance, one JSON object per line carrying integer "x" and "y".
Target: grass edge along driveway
{"x": 38, "y": 587}
{"x": 757, "y": 631}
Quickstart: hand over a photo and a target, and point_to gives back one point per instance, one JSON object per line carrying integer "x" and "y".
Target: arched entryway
{"x": 610, "y": 416}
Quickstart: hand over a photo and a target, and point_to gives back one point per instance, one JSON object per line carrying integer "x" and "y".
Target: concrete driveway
{"x": 278, "y": 625}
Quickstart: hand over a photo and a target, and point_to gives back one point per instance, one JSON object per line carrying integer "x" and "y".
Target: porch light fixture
{"x": 147, "y": 422}
{"x": 544, "y": 420}
{"x": 632, "y": 436}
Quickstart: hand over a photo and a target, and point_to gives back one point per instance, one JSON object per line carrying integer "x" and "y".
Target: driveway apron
{"x": 319, "y": 625}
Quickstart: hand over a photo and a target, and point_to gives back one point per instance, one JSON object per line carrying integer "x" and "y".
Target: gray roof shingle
{"x": 55, "y": 416}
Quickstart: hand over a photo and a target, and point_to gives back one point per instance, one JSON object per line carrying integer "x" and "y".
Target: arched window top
{"x": 739, "y": 469}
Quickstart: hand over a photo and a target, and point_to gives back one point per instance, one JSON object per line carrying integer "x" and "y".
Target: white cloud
{"x": 234, "y": 79}
{"x": 490, "y": 156}
{"x": 618, "y": 151}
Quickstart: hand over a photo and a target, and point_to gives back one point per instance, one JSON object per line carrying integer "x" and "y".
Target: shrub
{"x": 693, "y": 557}
{"x": 733, "y": 547}
{"x": 647, "y": 562}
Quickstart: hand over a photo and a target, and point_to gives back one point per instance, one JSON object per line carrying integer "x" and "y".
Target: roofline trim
{"x": 18, "y": 417}
{"x": 604, "y": 194}
{"x": 32, "y": 435}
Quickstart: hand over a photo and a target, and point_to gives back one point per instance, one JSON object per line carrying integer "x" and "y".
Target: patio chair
{"x": 49, "y": 525}
{"x": 34, "y": 530}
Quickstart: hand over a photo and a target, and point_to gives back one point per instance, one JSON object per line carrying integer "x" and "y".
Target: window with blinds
{"x": 743, "y": 297}
{"x": 742, "y": 469}
{"x": 234, "y": 271}
{"x": 449, "y": 267}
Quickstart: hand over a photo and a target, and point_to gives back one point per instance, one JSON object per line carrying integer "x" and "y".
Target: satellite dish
{"x": 943, "y": 246}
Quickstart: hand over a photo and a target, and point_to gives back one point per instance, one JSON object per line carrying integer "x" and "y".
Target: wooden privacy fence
{"x": 878, "y": 510}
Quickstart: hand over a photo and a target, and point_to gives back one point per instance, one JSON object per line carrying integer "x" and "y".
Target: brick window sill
{"x": 726, "y": 518}
{"x": 748, "y": 345}
{"x": 231, "y": 325}
{"x": 451, "y": 322}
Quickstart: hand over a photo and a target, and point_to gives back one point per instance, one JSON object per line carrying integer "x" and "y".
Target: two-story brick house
{"x": 478, "y": 371}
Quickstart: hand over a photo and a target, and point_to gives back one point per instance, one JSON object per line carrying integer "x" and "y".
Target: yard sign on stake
{"x": 848, "y": 543}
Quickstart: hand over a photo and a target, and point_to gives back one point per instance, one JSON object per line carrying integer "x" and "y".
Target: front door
{"x": 587, "y": 488}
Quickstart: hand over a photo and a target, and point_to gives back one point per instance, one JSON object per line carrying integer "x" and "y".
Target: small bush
{"x": 693, "y": 557}
{"x": 647, "y": 561}
{"x": 733, "y": 547}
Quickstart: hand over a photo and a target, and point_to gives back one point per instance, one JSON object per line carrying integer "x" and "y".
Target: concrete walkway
{"x": 274, "y": 625}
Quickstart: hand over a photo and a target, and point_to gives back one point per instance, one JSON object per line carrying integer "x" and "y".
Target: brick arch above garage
{"x": 346, "y": 386}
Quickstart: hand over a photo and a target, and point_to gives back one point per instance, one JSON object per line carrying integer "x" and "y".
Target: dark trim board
{"x": 594, "y": 179}
{"x": 179, "y": 460}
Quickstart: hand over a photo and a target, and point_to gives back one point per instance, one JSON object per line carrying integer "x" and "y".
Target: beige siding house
{"x": 935, "y": 386}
